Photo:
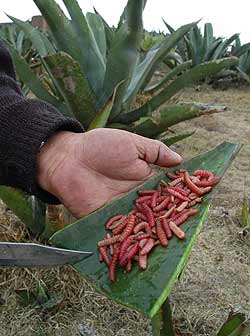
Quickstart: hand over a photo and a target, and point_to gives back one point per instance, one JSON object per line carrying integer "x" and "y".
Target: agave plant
{"x": 96, "y": 72}
{"x": 243, "y": 52}
{"x": 23, "y": 46}
{"x": 203, "y": 48}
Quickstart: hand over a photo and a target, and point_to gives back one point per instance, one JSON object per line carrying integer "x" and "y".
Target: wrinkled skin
{"x": 86, "y": 170}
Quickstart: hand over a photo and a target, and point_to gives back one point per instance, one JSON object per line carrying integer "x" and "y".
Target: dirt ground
{"x": 216, "y": 276}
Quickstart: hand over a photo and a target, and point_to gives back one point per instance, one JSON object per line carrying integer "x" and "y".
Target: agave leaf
{"x": 196, "y": 43}
{"x": 27, "y": 76}
{"x": 208, "y": 36}
{"x": 96, "y": 25}
{"x": 209, "y": 53}
{"x": 222, "y": 48}
{"x": 102, "y": 116}
{"x": 240, "y": 51}
{"x": 169, "y": 76}
{"x": 171, "y": 140}
{"x": 173, "y": 56}
{"x": 164, "y": 264}
{"x": 30, "y": 210}
{"x": 74, "y": 86}
{"x": 236, "y": 325}
{"x": 146, "y": 126}
{"x": 19, "y": 42}
{"x": 180, "y": 45}
{"x": 92, "y": 61}
{"x": 243, "y": 75}
{"x": 170, "y": 28}
{"x": 237, "y": 43}
{"x": 192, "y": 76}
{"x": 120, "y": 126}
{"x": 171, "y": 115}
{"x": 143, "y": 70}
{"x": 60, "y": 27}
{"x": 35, "y": 37}
{"x": 109, "y": 32}
{"x": 123, "y": 55}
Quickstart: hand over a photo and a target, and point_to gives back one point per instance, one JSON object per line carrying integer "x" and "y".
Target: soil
{"x": 215, "y": 278}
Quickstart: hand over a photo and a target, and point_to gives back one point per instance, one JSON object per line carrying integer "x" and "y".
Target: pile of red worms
{"x": 155, "y": 218}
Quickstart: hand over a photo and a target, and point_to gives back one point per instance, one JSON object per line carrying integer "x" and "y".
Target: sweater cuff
{"x": 36, "y": 121}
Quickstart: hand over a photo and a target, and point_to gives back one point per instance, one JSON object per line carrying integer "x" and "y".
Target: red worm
{"x": 206, "y": 189}
{"x": 193, "y": 202}
{"x": 149, "y": 214}
{"x": 142, "y": 199}
{"x": 141, "y": 226}
{"x": 132, "y": 212}
{"x": 192, "y": 196}
{"x": 113, "y": 219}
{"x": 147, "y": 247}
{"x": 133, "y": 251}
{"x": 168, "y": 213}
{"x": 108, "y": 241}
{"x": 176, "y": 230}
{"x": 141, "y": 216}
{"x": 208, "y": 183}
{"x": 154, "y": 199}
{"x": 111, "y": 247}
{"x": 203, "y": 173}
{"x": 146, "y": 192}
{"x": 176, "y": 181}
{"x": 191, "y": 185}
{"x": 142, "y": 261}
{"x": 113, "y": 263}
{"x": 142, "y": 236}
{"x": 104, "y": 255}
{"x": 124, "y": 246}
{"x": 178, "y": 221}
{"x": 172, "y": 176}
{"x": 180, "y": 190}
{"x": 182, "y": 206}
{"x": 143, "y": 242}
{"x": 120, "y": 227}
{"x": 158, "y": 187}
{"x": 117, "y": 223}
{"x": 123, "y": 261}
{"x": 129, "y": 228}
{"x": 161, "y": 234}
{"x": 139, "y": 207}
{"x": 160, "y": 199}
{"x": 170, "y": 205}
{"x": 162, "y": 205}
{"x": 177, "y": 194}
{"x": 166, "y": 228}
{"x": 181, "y": 170}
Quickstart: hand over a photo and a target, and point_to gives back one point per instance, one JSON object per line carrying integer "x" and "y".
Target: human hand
{"x": 87, "y": 170}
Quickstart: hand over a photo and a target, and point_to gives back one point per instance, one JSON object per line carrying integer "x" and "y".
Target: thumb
{"x": 156, "y": 152}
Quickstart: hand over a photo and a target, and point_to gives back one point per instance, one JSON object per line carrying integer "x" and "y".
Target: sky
{"x": 227, "y": 17}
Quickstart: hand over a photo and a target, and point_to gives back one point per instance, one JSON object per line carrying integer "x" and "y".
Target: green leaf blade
{"x": 124, "y": 55}
{"x": 165, "y": 264}
{"x": 192, "y": 76}
{"x": 91, "y": 60}
{"x": 74, "y": 86}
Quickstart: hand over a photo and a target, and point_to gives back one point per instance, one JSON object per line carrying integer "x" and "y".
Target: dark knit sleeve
{"x": 24, "y": 125}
